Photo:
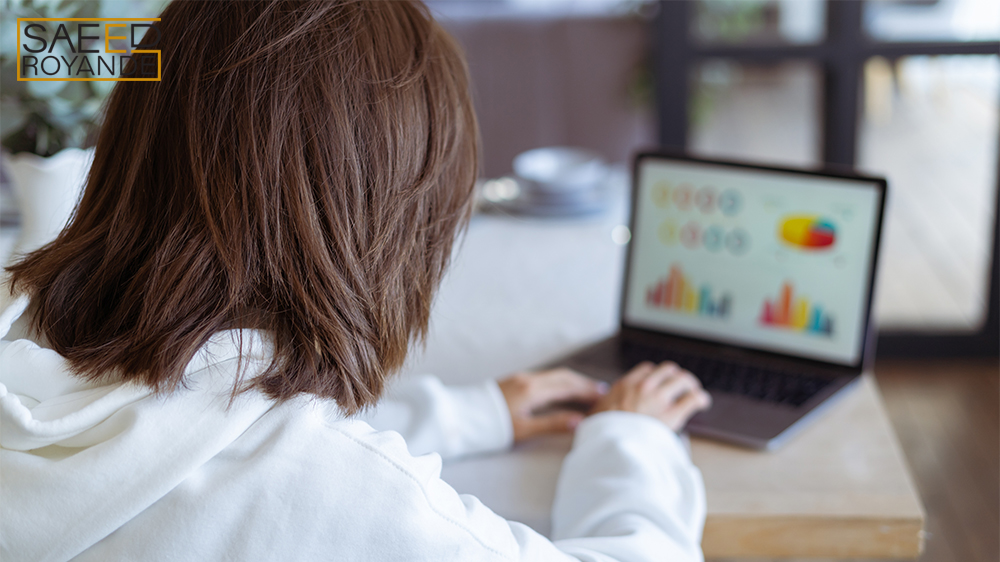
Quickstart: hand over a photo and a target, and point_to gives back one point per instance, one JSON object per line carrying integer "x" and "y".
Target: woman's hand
{"x": 532, "y": 396}
{"x": 665, "y": 392}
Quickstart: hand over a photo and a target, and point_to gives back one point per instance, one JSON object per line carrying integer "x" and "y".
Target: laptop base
{"x": 733, "y": 418}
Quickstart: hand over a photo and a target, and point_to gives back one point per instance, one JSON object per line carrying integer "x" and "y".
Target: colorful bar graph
{"x": 677, "y": 293}
{"x": 795, "y": 313}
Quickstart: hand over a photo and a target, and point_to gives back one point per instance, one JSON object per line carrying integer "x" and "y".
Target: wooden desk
{"x": 840, "y": 489}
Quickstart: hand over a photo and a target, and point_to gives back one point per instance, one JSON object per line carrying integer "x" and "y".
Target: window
{"x": 908, "y": 89}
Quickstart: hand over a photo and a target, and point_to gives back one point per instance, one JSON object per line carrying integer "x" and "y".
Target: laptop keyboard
{"x": 759, "y": 383}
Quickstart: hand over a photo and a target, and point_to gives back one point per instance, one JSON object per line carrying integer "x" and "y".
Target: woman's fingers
{"x": 638, "y": 372}
{"x": 659, "y": 376}
{"x": 681, "y": 411}
{"x": 527, "y": 393}
{"x": 665, "y": 391}
{"x": 564, "y": 385}
{"x": 677, "y": 386}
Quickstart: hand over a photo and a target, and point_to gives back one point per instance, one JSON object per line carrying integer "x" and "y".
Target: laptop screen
{"x": 767, "y": 259}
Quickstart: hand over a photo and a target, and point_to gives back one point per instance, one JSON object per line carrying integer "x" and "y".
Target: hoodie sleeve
{"x": 451, "y": 421}
{"x": 628, "y": 491}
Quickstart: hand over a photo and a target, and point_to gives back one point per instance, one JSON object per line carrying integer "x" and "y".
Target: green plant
{"x": 46, "y": 117}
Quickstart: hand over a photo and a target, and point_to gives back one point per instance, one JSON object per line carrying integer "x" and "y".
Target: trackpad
{"x": 743, "y": 416}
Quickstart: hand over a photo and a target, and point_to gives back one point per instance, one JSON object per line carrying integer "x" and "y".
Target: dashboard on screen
{"x": 778, "y": 261}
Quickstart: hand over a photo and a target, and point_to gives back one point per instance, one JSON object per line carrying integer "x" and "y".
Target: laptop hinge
{"x": 733, "y": 353}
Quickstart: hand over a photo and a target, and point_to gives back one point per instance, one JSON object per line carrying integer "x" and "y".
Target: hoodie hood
{"x": 78, "y": 459}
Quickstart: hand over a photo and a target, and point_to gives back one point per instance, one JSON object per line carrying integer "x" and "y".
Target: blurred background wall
{"x": 543, "y": 79}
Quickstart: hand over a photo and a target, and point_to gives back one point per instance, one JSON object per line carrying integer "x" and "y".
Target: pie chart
{"x": 809, "y": 232}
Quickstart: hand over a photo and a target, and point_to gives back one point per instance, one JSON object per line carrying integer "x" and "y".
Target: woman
{"x": 196, "y": 370}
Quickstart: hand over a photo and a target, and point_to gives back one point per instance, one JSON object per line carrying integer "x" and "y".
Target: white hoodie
{"x": 114, "y": 472}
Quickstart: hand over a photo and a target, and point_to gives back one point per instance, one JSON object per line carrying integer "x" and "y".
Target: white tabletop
{"x": 523, "y": 290}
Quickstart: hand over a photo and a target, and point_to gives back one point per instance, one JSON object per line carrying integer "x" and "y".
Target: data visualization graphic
{"x": 795, "y": 313}
{"x": 714, "y": 238}
{"x": 678, "y": 294}
{"x": 687, "y": 197}
{"x": 808, "y": 232}
{"x": 773, "y": 260}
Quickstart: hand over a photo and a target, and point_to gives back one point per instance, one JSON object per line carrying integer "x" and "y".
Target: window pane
{"x": 759, "y": 21}
{"x": 764, "y": 113}
{"x": 933, "y": 20}
{"x": 930, "y": 126}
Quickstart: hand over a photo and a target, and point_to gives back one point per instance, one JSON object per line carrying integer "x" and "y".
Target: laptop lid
{"x": 756, "y": 257}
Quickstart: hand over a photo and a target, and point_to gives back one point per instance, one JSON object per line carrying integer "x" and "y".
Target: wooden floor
{"x": 947, "y": 417}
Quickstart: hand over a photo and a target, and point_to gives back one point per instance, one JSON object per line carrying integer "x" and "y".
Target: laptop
{"x": 756, "y": 279}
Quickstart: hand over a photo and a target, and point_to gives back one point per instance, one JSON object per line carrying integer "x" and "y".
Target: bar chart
{"x": 677, "y": 293}
{"x": 793, "y": 312}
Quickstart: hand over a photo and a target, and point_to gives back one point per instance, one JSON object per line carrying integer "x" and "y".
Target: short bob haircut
{"x": 302, "y": 168}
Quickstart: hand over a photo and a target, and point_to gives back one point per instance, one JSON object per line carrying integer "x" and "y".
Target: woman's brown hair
{"x": 302, "y": 168}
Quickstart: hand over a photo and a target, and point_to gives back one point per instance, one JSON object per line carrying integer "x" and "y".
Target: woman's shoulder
{"x": 310, "y": 427}
{"x": 364, "y": 481}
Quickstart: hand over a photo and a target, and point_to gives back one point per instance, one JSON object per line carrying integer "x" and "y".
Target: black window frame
{"x": 842, "y": 55}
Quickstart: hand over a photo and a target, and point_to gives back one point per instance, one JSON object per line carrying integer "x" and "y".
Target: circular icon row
{"x": 706, "y": 199}
{"x": 714, "y": 238}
